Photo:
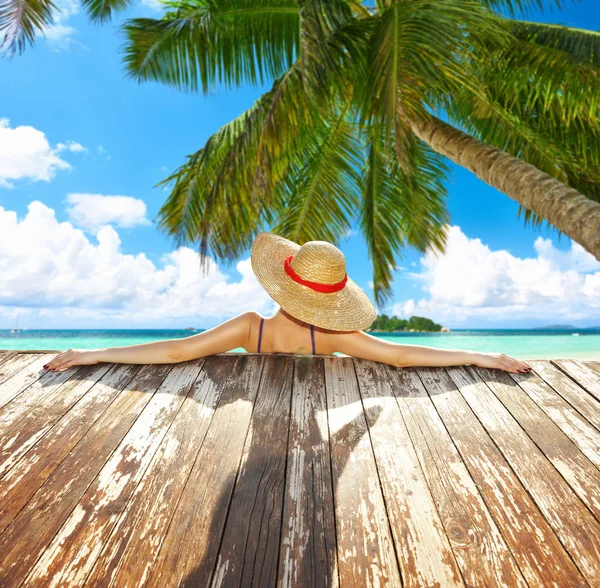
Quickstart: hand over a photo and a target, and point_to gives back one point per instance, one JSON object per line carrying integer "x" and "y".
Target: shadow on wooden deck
{"x": 258, "y": 469}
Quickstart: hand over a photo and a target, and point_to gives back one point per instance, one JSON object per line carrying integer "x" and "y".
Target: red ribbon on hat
{"x": 318, "y": 287}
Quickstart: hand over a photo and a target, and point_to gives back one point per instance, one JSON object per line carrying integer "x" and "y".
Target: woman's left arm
{"x": 224, "y": 337}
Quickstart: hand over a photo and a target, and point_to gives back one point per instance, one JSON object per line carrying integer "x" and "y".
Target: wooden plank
{"x": 30, "y": 385}
{"x": 365, "y": 544}
{"x": 574, "y": 525}
{"x": 6, "y": 355}
{"x": 308, "y": 549}
{"x": 19, "y": 436}
{"x": 250, "y": 544}
{"x": 572, "y": 392}
{"x": 218, "y": 406}
{"x": 480, "y": 550}
{"x": 26, "y": 538}
{"x": 584, "y": 375}
{"x": 573, "y": 428}
{"x": 14, "y": 365}
{"x": 541, "y": 557}
{"x": 189, "y": 550}
{"x": 96, "y": 513}
{"x": 24, "y": 479}
{"x": 424, "y": 552}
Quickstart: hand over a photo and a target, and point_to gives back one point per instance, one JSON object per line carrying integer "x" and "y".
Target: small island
{"x": 415, "y": 324}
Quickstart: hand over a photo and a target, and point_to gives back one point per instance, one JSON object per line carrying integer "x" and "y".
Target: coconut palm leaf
{"x": 398, "y": 209}
{"x": 320, "y": 191}
{"x": 225, "y": 192}
{"x": 319, "y": 20}
{"x": 205, "y": 42}
{"x": 417, "y": 54}
{"x": 103, "y": 10}
{"x": 20, "y": 20}
{"x": 583, "y": 46}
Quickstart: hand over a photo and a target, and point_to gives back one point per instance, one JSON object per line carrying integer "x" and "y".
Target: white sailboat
{"x": 15, "y": 330}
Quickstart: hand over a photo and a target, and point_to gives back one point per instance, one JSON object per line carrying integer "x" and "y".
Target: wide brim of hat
{"x": 347, "y": 310}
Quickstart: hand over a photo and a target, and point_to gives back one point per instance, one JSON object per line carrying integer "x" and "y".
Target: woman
{"x": 320, "y": 309}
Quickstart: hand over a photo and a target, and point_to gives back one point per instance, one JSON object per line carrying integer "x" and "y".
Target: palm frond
{"x": 319, "y": 20}
{"x": 200, "y": 43}
{"x": 420, "y": 51}
{"x": 103, "y": 10}
{"x": 21, "y": 20}
{"x": 319, "y": 193}
{"x": 228, "y": 189}
{"x": 398, "y": 209}
{"x": 582, "y": 45}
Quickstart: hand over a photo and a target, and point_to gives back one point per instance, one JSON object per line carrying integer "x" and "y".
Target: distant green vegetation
{"x": 419, "y": 323}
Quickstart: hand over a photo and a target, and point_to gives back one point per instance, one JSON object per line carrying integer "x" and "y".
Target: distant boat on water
{"x": 15, "y": 330}
{"x": 189, "y": 329}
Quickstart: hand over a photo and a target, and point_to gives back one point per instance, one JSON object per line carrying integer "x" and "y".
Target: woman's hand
{"x": 501, "y": 362}
{"x": 71, "y": 357}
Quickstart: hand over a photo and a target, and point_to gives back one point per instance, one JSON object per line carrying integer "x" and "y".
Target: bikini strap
{"x": 312, "y": 336}
{"x": 262, "y": 320}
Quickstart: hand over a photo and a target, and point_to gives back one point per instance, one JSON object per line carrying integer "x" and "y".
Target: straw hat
{"x": 310, "y": 283}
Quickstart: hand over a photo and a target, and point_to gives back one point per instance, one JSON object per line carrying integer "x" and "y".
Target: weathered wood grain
{"x": 583, "y": 374}
{"x": 572, "y": 392}
{"x": 15, "y": 363}
{"x": 541, "y": 557}
{"x": 254, "y": 517}
{"x": 308, "y": 550}
{"x": 261, "y": 469}
{"x": 28, "y": 535}
{"x": 366, "y": 555}
{"x": 575, "y": 429}
{"x": 572, "y": 522}
{"x": 25, "y": 369}
{"x": 480, "y": 550}
{"x": 33, "y": 386}
{"x": 96, "y": 513}
{"x": 424, "y": 552}
{"x": 23, "y": 480}
{"x": 6, "y": 355}
{"x": 179, "y": 474}
{"x": 42, "y": 412}
{"x": 188, "y": 553}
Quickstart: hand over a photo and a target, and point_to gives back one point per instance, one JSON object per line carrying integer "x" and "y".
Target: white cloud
{"x": 26, "y": 153}
{"x": 72, "y": 146}
{"x": 59, "y": 273}
{"x": 91, "y": 211}
{"x": 470, "y": 280}
{"x": 59, "y": 35}
{"x": 155, "y": 5}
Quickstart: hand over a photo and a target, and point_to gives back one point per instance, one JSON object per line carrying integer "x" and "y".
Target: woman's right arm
{"x": 365, "y": 346}
{"x": 229, "y": 335}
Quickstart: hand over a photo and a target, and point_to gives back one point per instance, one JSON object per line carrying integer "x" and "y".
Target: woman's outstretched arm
{"x": 224, "y": 337}
{"x": 365, "y": 346}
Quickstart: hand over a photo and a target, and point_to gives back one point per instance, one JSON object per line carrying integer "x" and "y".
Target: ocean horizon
{"x": 519, "y": 343}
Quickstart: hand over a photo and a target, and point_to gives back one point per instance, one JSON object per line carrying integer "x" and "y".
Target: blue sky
{"x": 73, "y": 256}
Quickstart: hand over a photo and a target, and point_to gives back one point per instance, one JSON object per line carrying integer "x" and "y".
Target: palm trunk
{"x": 571, "y": 212}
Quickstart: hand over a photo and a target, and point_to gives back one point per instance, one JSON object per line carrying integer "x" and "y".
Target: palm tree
{"x": 21, "y": 20}
{"x": 366, "y": 103}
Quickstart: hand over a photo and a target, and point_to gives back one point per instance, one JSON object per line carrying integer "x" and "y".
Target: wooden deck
{"x": 285, "y": 470}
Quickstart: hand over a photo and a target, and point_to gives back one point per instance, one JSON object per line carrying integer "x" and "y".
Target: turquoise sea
{"x": 519, "y": 343}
